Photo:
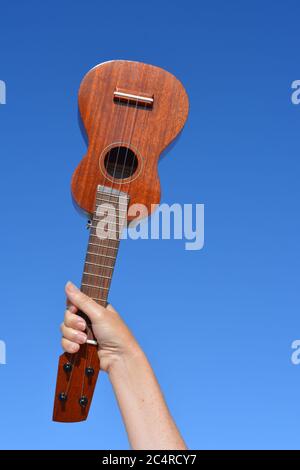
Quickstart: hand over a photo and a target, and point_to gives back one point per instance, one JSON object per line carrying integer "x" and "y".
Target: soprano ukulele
{"x": 131, "y": 112}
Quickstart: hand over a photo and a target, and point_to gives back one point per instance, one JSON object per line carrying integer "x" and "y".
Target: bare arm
{"x": 145, "y": 414}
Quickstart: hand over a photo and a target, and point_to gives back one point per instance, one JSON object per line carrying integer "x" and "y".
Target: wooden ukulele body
{"x": 144, "y": 130}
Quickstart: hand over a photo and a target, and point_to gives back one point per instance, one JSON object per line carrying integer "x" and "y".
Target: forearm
{"x": 146, "y": 416}
{"x": 147, "y": 419}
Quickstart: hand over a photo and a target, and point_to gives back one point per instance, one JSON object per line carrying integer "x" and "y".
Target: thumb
{"x": 85, "y": 304}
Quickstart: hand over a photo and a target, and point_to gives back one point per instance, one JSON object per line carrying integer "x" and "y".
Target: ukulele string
{"x": 122, "y": 135}
{"x": 104, "y": 255}
{"x": 109, "y": 246}
{"x": 125, "y": 160}
{"x": 88, "y": 327}
{"x": 109, "y": 194}
{"x": 72, "y": 362}
{"x": 117, "y": 119}
{"x": 89, "y": 330}
{"x": 145, "y": 120}
{"x": 85, "y": 365}
{"x": 144, "y": 108}
{"x": 127, "y": 148}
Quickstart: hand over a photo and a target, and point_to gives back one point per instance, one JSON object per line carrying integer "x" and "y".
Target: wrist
{"x": 128, "y": 357}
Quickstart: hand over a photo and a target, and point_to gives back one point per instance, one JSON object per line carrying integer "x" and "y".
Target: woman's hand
{"x": 146, "y": 416}
{"x": 114, "y": 338}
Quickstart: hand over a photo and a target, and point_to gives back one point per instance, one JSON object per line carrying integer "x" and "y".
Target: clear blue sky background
{"x": 216, "y": 324}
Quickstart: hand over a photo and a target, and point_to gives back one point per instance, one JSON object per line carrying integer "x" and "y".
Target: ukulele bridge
{"x": 128, "y": 97}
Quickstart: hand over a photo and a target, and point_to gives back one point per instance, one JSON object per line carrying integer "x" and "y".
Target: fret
{"x": 96, "y": 264}
{"x": 110, "y": 190}
{"x": 102, "y": 258}
{"x": 104, "y": 266}
{"x": 112, "y": 222}
{"x": 99, "y": 238}
{"x": 110, "y": 195}
{"x": 95, "y": 287}
{"x": 105, "y": 255}
{"x": 103, "y": 262}
{"x": 97, "y": 275}
{"x": 100, "y": 264}
{"x": 105, "y": 231}
{"x": 110, "y": 247}
{"x": 120, "y": 199}
{"x": 106, "y": 238}
{"x": 100, "y": 246}
{"x": 98, "y": 300}
{"x": 102, "y": 254}
{"x": 117, "y": 208}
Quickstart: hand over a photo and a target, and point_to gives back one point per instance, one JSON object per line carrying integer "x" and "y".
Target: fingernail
{"x": 81, "y": 337}
{"x": 81, "y": 325}
{"x": 71, "y": 287}
{"x": 74, "y": 347}
{"x": 71, "y": 308}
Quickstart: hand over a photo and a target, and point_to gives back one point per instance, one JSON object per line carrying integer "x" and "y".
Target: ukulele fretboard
{"x": 106, "y": 226}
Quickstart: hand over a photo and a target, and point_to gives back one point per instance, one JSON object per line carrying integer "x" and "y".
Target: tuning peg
{"x": 83, "y": 401}
{"x": 67, "y": 367}
{"x": 88, "y": 224}
{"x": 89, "y": 371}
{"x": 62, "y": 396}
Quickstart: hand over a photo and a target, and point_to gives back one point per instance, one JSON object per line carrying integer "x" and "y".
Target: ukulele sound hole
{"x": 120, "y": 162}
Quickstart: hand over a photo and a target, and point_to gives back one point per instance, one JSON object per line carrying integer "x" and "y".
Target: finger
{"x": 71, "y": 308}
{"x": 73, "y": 335}
{"x": 69, "y": 346}
{"x": 74, "y": 321}
{"x": 93, "y": 310}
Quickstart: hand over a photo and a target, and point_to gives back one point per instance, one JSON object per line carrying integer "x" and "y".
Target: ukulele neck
{"x": 108, "y": 220}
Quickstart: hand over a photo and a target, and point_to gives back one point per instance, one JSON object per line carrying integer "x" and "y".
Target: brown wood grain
{"x": 96, "y": 278}
{"x": 147, "y": 131}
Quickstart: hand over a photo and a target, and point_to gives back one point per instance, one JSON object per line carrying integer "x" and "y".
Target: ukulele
{"x": 131, "y": 112}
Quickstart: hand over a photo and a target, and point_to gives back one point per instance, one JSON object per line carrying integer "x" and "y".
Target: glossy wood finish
{"x": 147, "y": 131}
{"x": 97, "y": 274}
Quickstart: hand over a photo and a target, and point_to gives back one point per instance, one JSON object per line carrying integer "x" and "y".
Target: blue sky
{"x": 217, "y": 324}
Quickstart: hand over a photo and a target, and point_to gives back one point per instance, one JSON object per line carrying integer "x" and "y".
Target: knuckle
{"x": 68, "y": 318}
{"x": 86, "y": 301}
{"x": 72, "y": 320}
{"x": 73, "y": 336}
{"x": 69, "y": 334}
{"x": 98, "y": 314}
{"x": 67, "y": 313}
